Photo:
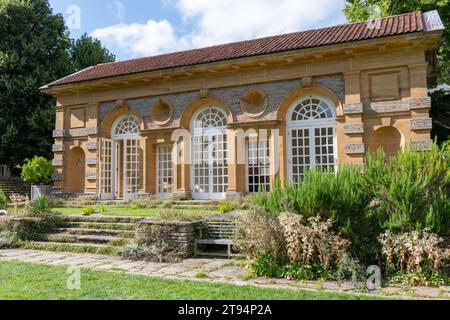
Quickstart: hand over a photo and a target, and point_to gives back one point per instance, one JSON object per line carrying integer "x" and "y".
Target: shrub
{"x": 38, "y": 170}
{"x": 415, "y": 257}
{"x": 332, "y": 196}
{"x": 411, "y": 190}
{"x": 156, "y": 252}
{"x": 7, "y": 240}
{"x": 89, "y": 210}
{"x": 339, "y": 197}
{"x": 178, "y": 215}
{"x": 260, "y": 236}
{"x": 225, "y": 207}
{"x": 313, "y": 243}
{"x": 28, "y": 228}
{"x": 40, "y": 206}
{"x": 283, "y": 246}
{"x": 4, "y": 200}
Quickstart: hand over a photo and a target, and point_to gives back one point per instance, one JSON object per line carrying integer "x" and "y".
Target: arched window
{"x": 209, "y": 170}
{"x": 311, "y": 125}
{"x": 312, "y": 109}
{"x": 128, "y": 126}
{"x": 210, "y": 118}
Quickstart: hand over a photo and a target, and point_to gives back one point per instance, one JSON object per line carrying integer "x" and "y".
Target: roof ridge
{"x": 330, "y": 35}
{"x": 259, "y": 39}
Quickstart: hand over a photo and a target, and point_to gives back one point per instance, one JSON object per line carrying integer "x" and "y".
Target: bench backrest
{"x": 220, "y": 229}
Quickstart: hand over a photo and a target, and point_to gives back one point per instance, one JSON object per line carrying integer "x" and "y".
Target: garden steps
{"x": 100, "y": 225}
{"x": 88, "y": 234}
{"x": 15, "y": 186}
{"x": 101, "y": 219}
{"x": 70, "y": 238}
{"x": 98, "y": 232}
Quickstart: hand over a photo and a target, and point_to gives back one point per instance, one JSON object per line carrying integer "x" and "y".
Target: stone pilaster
{"x": 353, "y": 128}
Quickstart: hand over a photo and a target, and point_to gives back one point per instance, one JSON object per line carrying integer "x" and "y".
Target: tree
{"x": 33, "y": 51}
{"x": 87, "y": 51}
{"x": 360, "y": 10}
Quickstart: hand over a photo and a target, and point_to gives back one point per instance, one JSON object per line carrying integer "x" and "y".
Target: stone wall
{"x": 231, "y": 96}
{"x": 179, "y": 236}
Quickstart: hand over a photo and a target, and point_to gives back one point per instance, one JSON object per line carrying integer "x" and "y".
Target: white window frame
{"x": 158, "y": 170}
{"x": 247, "y": 163}
{"x": 311, "y": 125}
{"x": 117, "y": 150}
{"x": 209, "y": 134}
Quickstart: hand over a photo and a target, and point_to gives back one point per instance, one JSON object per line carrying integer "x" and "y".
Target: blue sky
{"x": 136, "y": 28}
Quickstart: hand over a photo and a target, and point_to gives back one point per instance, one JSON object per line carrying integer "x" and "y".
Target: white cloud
{"x": 139, "y": 39}
{"x": 220, "y": 21}
{"x": 117, "y": 9}
{"x": 231, "y": 20}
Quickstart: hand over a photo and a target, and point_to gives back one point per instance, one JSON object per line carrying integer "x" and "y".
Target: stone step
{"x": 88, "y": 239}
{"x": 72, "y": 247}
{"x": 70, "y": 238}
{"x": 101, "y": 219}
{"x": 194, "y": 207}
{"x": 99, "y": 225}
{"x": 97, "y": 232}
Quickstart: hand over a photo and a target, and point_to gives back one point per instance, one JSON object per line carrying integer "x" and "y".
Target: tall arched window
{"x": 311, "y": 123}
{"x": 209, "y": 153}
{"x": 120, "y": 160}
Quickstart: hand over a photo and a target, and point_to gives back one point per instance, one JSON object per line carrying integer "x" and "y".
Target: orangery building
{"x": 231, "y": 119}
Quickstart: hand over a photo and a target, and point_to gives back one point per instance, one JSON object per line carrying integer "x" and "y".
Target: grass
{"x": 25, "y": 281}
{"x": 126, "y": 212}
{"x": 67, "y": 247}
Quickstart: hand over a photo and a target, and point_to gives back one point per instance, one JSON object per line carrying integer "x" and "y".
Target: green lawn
{"x": 129, "y": 212}
{"x": 25, "y": 281}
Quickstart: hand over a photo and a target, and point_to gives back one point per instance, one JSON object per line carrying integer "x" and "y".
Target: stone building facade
{"x": 231, "y": 119}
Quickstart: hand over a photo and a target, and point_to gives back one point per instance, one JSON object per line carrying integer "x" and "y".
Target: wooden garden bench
{"x": 221, "y": 232}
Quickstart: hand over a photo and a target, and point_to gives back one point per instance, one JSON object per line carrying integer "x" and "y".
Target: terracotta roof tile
{"x": 406, "y": 23}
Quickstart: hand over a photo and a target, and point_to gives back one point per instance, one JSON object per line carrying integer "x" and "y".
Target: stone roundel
{"x": 161, "y": 112}
{"x": 254, "y": 103}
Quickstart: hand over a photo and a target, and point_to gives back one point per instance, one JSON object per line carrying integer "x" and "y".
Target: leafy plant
{"x": 7, "y": 240}
{"x": 89, "y": 210}
{"x": 4, "y": 200}
{"x": 41, "y": 206}
{"x": 266, "y": 265}
{"x": 309, "y": 272}
{"x": 339, "y": 197}
{"x": 226, "y": 207}
{"x": 158, "y": 252}
{"x": 37, "y": 170}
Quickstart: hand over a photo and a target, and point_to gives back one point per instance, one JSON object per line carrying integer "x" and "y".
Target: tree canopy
{"x": 87, "y": 51}
{"x": 35, "y": 49}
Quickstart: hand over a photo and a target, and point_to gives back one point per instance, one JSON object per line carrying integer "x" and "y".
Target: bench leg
{"x": 195, "y": 250}
{"x": 230, "y": 254}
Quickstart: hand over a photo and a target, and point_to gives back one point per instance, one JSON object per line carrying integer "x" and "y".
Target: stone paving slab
{"x": 211, "y": 270}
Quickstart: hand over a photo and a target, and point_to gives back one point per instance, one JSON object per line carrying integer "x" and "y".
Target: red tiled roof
{"x": 396, "y": 25}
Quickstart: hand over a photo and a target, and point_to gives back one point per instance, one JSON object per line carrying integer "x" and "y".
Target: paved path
{"x": 211, "y": 270}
